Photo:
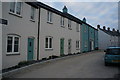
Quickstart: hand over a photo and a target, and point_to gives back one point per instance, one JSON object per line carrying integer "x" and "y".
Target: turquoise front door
{"x": 30, "y": 48}
{"x": 62, "y": 46}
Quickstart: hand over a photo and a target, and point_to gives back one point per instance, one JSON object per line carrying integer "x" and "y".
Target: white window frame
{"x": 78, "y": 27}
{"x": 48, "y": 46}
{"x": 69, "y": 24}
{"x": 15, "y": 9}
{"x": 62, "y": 21}
{"x": 13, "y": 40}
{"x": 78, "y": 44}
{"x": 33, "y": 10}
{"x": 49, "y": 16}
{"x": 85, "y": 45}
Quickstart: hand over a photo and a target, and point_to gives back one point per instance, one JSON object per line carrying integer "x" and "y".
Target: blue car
{"x": 112, "y": 55}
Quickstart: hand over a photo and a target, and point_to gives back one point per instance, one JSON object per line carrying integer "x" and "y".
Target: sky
{"x": 104, "y": 13}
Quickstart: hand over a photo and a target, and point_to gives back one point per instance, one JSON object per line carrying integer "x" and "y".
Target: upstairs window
{"x": 62, "y": 21}
{"x": 15, "y": 7}
{"x": 77, "y": 27}
{"x": 69, "y": 24}
{"x": 49, "y": 16}
{"x": 13, "y": 44}
{"x": 32, "y": 13}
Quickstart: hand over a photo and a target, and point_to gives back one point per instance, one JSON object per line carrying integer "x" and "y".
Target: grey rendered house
{"x": 33, "y": 31}
{"x": 107, "y": 37}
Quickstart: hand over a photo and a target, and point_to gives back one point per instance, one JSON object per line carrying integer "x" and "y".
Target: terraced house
{"x": 89, "y": 37}
{"x": 33, "y": 31}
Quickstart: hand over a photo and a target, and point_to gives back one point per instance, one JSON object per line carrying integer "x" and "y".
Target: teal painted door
{"x": 62, "y": 46}
{"x": 30, "y": 48}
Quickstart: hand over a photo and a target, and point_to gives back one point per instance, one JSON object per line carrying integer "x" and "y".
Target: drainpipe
{"x": 88, "y": 40}
{"x": 38, "y": 40}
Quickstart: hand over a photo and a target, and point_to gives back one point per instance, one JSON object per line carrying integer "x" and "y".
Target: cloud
{"x": 103, "y": 13}
{"x": 78, "y": 0}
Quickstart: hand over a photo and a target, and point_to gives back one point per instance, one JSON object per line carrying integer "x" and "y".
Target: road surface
{"x": 90, "y": 65}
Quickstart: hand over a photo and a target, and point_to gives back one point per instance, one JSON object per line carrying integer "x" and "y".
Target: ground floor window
{"x": 48, "y": 42}
{"x": 13, "y": 44}
{"x": 78, "y": 44}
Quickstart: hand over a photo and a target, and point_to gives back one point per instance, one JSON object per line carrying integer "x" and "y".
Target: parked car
{"x": 112, "y": 55}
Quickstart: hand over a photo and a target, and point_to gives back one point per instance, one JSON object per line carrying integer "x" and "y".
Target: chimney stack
{"x": 65, "y": 10}
{"x": 108, "y": 29}
{"x": 104, "y": 27}
{"x": 117, "y": 31}
{"x": 98, "y": 26}
{"x": 113, "y": 29}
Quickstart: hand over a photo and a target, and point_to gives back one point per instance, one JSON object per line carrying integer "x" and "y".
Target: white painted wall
{"x": 56, "y": 31}
{"x": 21, "y": 26}
{"x": 0, "y": 41}
{"x": 104, "y": 40}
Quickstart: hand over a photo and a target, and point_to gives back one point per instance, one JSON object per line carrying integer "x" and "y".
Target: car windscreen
{"x": 113, "y": 51}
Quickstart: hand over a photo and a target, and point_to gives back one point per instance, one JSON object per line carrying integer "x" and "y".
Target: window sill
{"x": 10, "y": 54}
{"x": 50, "y": 49}
{"x": 32, "y": 20}
{"x": 49, "y": 22}
{"x": 70, "y": 28}
{"x": 15, "y": 14}
{"x": 63, "y": 26}
{"x": 78, "y": 49}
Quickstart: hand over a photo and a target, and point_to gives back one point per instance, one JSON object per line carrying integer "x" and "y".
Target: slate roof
{"x": 66, "y": 15}
{"x": 109, "y": 32}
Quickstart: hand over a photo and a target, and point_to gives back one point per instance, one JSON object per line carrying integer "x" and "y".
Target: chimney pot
{"x": 98, "y": 26}
{"x": 104, "y": 27}
{"x": 113, "y": 29}
{"x": 108, "y": 29}
{"x": 117, "y": 31}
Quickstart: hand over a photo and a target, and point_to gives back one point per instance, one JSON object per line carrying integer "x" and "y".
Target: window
{"x": 12, "y": 44}
{"x": 77, "y": 44}
{"x": 48, "y": 43}
{"x": 77, "y": 27}
{"x": 49, "y": 16}
{"x": 15, "y": 7}
{"x": 62, "y": 21}
{"x": 32, "y": 13}
{"x": 85, "y": 44}
{"x": 85, "y": 28}
{"x": 69, "y": 24}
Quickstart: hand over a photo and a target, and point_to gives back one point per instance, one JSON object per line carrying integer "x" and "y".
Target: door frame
{"x": 33, "y": 47}
{"x": 62, "y": 39}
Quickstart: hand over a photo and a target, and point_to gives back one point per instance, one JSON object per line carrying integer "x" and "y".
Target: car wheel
{"x": 106, "y": 64}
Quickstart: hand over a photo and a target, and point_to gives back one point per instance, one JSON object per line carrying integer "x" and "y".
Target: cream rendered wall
{"x": 0, "y": 41}
{"x": 57, "y": 32}
{"x": 20, "y": 26}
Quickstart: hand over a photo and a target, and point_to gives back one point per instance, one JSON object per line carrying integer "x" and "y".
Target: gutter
{"x": 38, "y": 40}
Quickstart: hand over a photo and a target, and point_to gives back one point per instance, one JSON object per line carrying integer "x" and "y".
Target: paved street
{"x": 89, "y": 65}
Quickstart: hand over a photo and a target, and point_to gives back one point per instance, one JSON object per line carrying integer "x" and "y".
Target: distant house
{"x": 89, "y": 37}
{"x": 107, "y": 37}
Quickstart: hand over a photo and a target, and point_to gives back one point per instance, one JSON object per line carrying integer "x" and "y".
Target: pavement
{"x": 87, "y": 65}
